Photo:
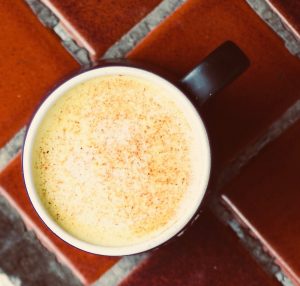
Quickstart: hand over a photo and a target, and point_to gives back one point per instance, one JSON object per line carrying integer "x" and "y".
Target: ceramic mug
{"x": 218, "y": 69}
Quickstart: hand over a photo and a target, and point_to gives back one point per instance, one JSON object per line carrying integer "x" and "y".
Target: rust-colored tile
{"x": 289, "y": 11}
{"x": 208, "y": 254}
{"x": 32, "y": 61}
{"x": 88, "y": 267}
{"x": 266, "y": 198}
{"x": 95, "y": 24}
{"x": 242, "y": 111}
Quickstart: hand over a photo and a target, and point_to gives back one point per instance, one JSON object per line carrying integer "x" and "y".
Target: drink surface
{"x": 112, "y": 160}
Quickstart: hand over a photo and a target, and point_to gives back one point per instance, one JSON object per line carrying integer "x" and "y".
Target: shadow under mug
{"x": 217, "y": 70}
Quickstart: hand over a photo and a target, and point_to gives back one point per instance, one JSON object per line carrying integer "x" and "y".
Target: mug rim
{"x": 39, "y": 207}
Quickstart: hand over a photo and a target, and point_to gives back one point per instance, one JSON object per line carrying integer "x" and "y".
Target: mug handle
{"x": 217, "y": 70}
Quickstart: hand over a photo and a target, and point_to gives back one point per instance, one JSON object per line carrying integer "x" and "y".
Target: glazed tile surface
{"x": 32, "y": 62}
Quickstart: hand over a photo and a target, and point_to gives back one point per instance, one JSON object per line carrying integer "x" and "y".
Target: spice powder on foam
{"x": 112, "y": 159}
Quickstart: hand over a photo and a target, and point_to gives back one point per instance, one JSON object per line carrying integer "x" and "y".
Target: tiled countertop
{"x": 248, "y": 232}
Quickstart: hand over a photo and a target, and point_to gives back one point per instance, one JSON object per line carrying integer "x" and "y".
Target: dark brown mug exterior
{"x": 217, "y": 70}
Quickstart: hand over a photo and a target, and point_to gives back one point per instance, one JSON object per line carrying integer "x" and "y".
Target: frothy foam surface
{"x": 112, "y": 161}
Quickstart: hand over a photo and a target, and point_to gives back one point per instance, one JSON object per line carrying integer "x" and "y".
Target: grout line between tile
{"x": 69, "y": 27}
{"x": 11, "y": 149}
{"x": 50, "y": 20}
{"x": 284, "y": 20}
{"x": 288, "y": 118}
{"x": 44, "y": 14}
{"x": 120, "y": 270}
{"x": 264, "y": 10}
{"x": 140, "y": 30}
{"x": 251, "y": 243}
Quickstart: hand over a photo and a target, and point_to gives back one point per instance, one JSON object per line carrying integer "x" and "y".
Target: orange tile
{"x": 266, "y": 198}
{"x": 88, "y": 267}
{"x": 96, "y": 25}
{"x": 242, "y": 111}
{"x": 32, "y": 61}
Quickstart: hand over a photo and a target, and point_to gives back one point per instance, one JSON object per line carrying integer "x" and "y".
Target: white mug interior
{"x": 197, "y": 192}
